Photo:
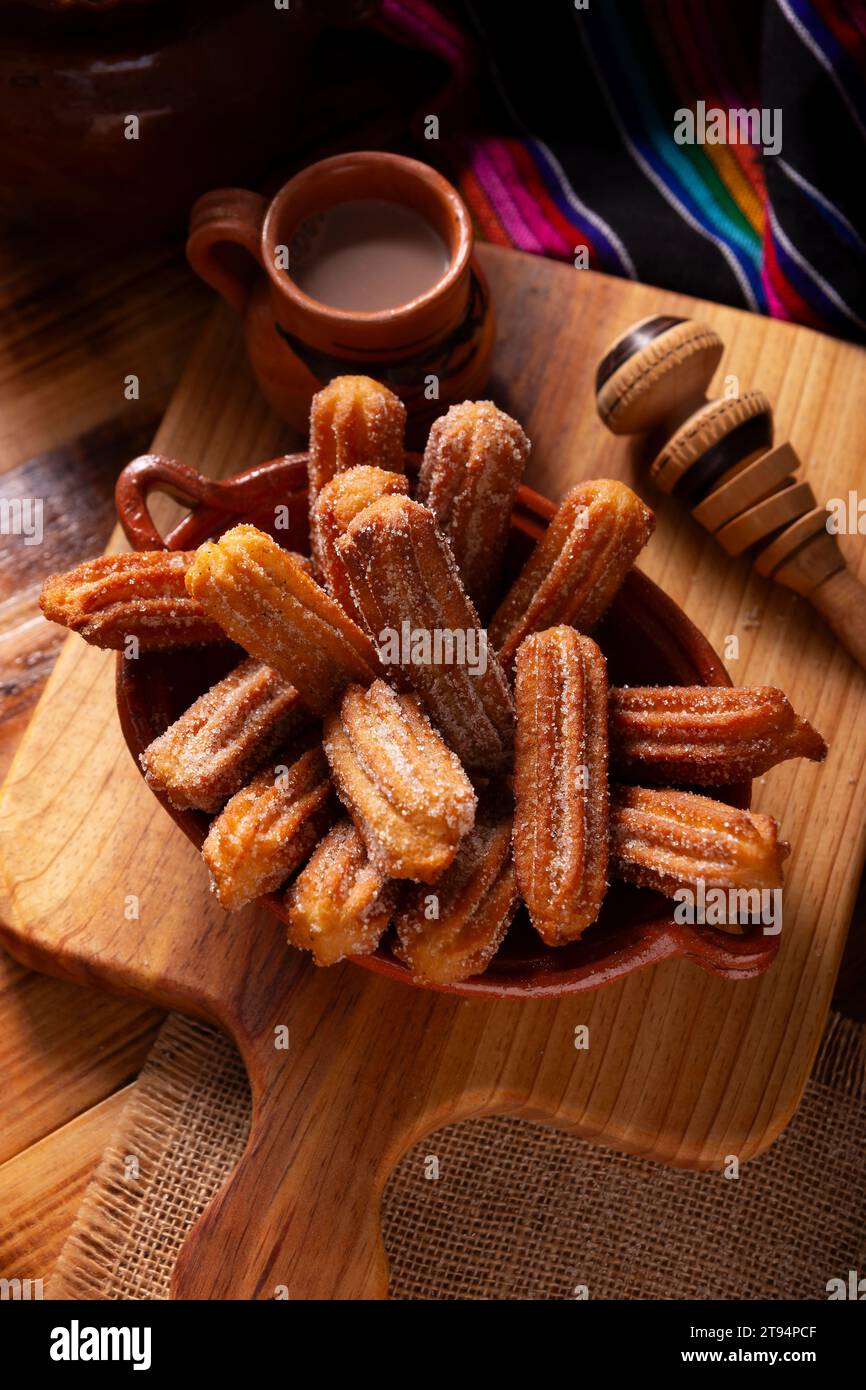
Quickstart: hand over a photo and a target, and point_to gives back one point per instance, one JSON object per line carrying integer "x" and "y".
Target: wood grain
{"x": 73, "y": 328}
{"x": 41, "y": 1025}
{"x": 681, "y": 1067}
{"x": 42, "y": 1186}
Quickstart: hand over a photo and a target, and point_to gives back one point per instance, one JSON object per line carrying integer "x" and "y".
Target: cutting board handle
{"x": 344, "y": 1078}
{"x": 247, "y": 492}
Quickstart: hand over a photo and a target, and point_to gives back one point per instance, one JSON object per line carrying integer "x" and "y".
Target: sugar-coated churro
{"x": 140, "y": 595}
{"x": 269, "y": 827}
{"x": 265, "y": 601}
{"x": 472, "y": 468}
{"x": 560, "y": 782}
{"x": 340, "y": 903}
{"x": 213, "y": 749}
{"x": 669, "y": 840}
{"x": 707, "y": 735}
{"x": 577, "y": 566}
{"x": 404, "y": 789}
{"x": 453, "y": 930}
{"x": 354, "y": 420}
{"x": 406, "y": 589}
{"x": 336, "y": 506}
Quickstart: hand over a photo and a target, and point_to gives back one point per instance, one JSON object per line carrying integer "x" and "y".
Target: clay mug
{"x": 432, "y": 351}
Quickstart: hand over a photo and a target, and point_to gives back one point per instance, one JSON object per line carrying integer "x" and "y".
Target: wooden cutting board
{"x": 682, "y": 1067}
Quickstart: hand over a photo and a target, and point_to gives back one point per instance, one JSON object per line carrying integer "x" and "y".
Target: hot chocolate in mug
{"x": 360, "y": 264}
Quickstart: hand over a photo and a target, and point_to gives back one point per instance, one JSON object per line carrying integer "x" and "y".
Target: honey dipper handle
{"x": 841, "y": 600}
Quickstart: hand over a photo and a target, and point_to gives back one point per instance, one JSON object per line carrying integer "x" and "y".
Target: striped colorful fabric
{"x": 559, "y": 125}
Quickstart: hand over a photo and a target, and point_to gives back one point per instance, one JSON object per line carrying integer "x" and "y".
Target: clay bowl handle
{"x": 212, "y": 502}
{"x": 225, "y": 241}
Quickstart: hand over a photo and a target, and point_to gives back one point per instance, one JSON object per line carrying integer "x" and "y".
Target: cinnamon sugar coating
{"x": 337, "y": 505}
{"x": 404, "y": 579}
{"x": 576, "y": 568}
{"x": 670, "y": 840}
{"x": 354, "y": 420}
{"x": 340, "y": 903}
{"x": 208, "y": 754}
{"x": 473, "y": 465}
{"x": 269, "y": 827}
{"x": 270, "y": 606}
{"x": 404, "y": 789}
{"x": 140, "y": 594}
{"x": 707, "y": 735}
{"x": 455, "y": 932}
{"x": 560, "y": 782}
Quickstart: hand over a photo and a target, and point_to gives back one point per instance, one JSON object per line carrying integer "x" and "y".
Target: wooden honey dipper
{"x": 719, "y": 458}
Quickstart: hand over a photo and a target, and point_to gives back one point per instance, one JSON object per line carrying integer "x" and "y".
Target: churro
{"x": 670, "y": 840}
{"x": 404, "y": 789}
{"x": 560, "y": 782}
{"x": 140, "y": 596}
{"x": 269, "y": 827}
{"x": 577, "y": 566}
{"x": 707, "y": 735}
{"x": 472, "y": 468}
{"x": 354, "y": 420}
{"x": 406, "y": 588}
{"x": 340, "y": 903}
{"x": 213, "y": 749}
{"x": 454, "y": 930}
{"x": 338, "y": 503}
{"x": 265, "y": 601}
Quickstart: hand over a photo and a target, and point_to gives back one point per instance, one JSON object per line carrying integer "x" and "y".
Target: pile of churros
{"x": 407, "y": 753}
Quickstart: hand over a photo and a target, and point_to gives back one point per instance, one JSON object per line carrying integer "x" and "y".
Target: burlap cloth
{"x": 520, "y": 1211}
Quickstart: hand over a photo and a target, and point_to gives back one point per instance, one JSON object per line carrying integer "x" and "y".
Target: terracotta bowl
{"x": 646, "y": 638}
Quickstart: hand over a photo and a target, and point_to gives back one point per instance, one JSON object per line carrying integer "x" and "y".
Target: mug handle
{"x": 223, "y": 223}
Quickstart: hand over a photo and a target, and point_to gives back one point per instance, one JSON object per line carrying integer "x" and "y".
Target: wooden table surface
{"x": 71, "y": 333}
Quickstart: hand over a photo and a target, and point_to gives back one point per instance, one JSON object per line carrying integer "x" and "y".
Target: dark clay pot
{"x": 216, "y": 86}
